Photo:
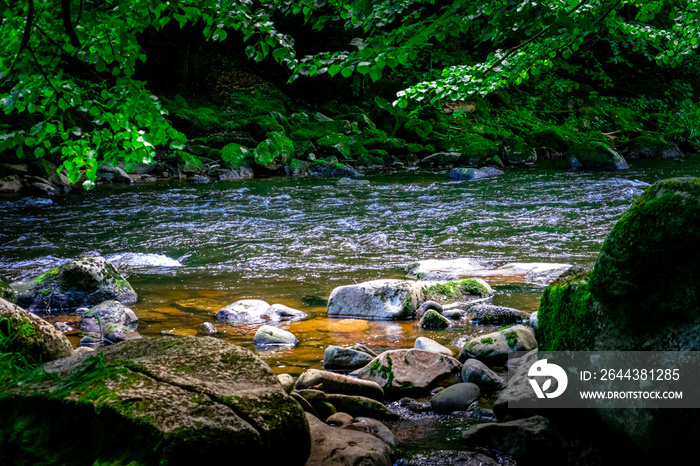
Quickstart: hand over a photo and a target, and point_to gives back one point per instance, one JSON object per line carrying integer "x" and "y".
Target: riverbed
{"x": 189, "y": 250}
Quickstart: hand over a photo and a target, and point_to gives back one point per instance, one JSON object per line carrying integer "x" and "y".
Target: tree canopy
{"x": 69, "y": 87}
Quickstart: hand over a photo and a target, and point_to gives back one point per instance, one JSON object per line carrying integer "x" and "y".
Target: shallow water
{"x": 292, "y": 240}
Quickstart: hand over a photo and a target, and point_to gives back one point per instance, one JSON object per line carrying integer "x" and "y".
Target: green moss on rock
{"x": 235, "y": 155}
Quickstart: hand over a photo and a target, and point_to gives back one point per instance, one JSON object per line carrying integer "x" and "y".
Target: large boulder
{"x": 170, "y": 400}
{"x": 643, "y": 294}
{"x": 85, "y": 282}
{"x": 33, "y": 337}
{"x": 494, "y": 348}
{"x": 456, "y": 397}
{"x": 406, "y": 372}
{"x": 478, "y": 373}
{"x": 595, "y": 156}
{"x": 399, "y": 299}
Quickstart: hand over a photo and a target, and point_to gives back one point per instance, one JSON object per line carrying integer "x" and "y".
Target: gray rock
{"x": 229, "y": 175}
{"x": 338, "y": 383}
{"x": 85, "y": 282}
{"x": 478, "y": 373}
{"x": 426, "y": 306}
{"x": 116, "y": 333}
{"x": 489, "y": 314}
{"x": 43, "y": 187}
{"x": 34, "y": 337}
{"x": 433, "y": 320}
{"x": 343, "y": 447}
{"x": 207, "y": 328}
{"x": 493, "y": 348}
{"x": 287, "y": 382}
{"x": 426, "y": 344}
{"x": 339, "y": 419}
{"x": 335, "y": 357}
{"x": 256, "y": 310}
{"x": 595, "y": 156}
{"x": 457, "y": 397}
{"x": 531, "y": 439}
{"x": 267, "y": 335}
{"x": 415, "y": 405}
{"x": 200, "y": 179}
{"x": 399, "y": 299}
{"x": 409, "y": 371}
{"x": 352, "y": 182}
{"x": 533, "y": 321}
{"x": 360, "y": 406}
{"x": 219, "y": 399}
{"x": 472, "y": 174}
{"x": 108, "y": 174}
{"x": 517, "y": 388}
{"x": 10, "y": 184}
{"x": 99, "y": 318}
{"x": 374, "y": 427}
{"x": 64, "y": 327}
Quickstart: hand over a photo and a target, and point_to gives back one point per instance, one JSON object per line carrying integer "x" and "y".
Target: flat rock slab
{"x": 399, "y": 299}
{"x": 331, "y": 382}
{"x": 179, "y": 400}
{"x": 409, "y": 371}
{"x": 538, "y": 273}
{"x": 344, "y": 447}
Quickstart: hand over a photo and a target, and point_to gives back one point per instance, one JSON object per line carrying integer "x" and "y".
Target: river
{"x": 189, "y": 250}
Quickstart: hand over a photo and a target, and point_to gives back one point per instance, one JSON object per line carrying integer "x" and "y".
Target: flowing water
{"x": 189, "y": 250}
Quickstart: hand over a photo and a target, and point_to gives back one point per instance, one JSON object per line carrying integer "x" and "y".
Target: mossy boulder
{"x": 235, "y": 155}
{"x": 266, "y": 124}
{"x": 275, "y": 151}
{"x": 593, "y": 155}
{"x": 432, "y": 319}
{"x": 493, "y": 348}
{"x": 186, "y": 162}
{"x": 155, "y": 401}
{"x": 474, "y": 150}
{"x": 410, "y": 372}
{"x": 6, "y": 291}
{"x": 85, "y": 282}
{"x": 43, "y": 168}
{"x": 99, "y": 318}
{"x": 25, "y": 333}
{"x": 551, "y": 142}
{"x": 335, "y": 144}
{"x": 417, "y": 130}
{"x": 314, "y": 130}
{"x": 515, "y": 151}
{"x": 371, "y": 137}
{"x": 648, "y": 146}
{"x": 648, "y": 265}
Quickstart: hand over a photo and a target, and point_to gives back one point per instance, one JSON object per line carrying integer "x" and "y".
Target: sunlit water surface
{"x": 292, "y": 240}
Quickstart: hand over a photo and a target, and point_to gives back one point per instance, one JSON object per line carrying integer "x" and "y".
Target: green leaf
{"x": 333, "y": 70}
{"x": 347, "y": 71}
{"x": 363, "y": 67}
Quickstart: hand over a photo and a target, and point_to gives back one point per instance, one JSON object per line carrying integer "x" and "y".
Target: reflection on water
{"x": 292, "y": 240}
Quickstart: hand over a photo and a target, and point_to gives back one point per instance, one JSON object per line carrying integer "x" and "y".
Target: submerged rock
{"x": 399, "y": 299}
{"x": 493, "y": 348}
{"x": 256, "y": 310}
{"x": 489, "y": 314}
{"x": 409, "y": 371}
{"x": 472, "y": 174}
{"x": 170, "y": 400}
{"x": 85, "y": 282}
{"x": 25, "y": 333}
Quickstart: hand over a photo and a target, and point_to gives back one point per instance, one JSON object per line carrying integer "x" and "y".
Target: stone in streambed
{"x": 267, "y": 335}
{"x": 100, "y": 317}
{"x": 426, "y": 344}
{"x": 331, "y": 382}
{"x": 30, "y": 335}
{"x": 426, "y": 306}
{"x": 493, "y": 348}
{"x": 472, "y": 174}
{"x": 360, "y": 406}
{"x": 489, "y": 314}
{"x": 335, "y": 357}
{"x": 85, "y": 282}
{"x": 256, "y": 310}
{"x": 594, "y": 156}
{"x": 409, "y": 371}
{"x": 456, "y": 397}
{"x": 433, "y": 320}
{"x": 343, "y": 447}
{"x": 287, "y": 382}
{"x": 478, "y": 373}
{"x": 528, "y": 440}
